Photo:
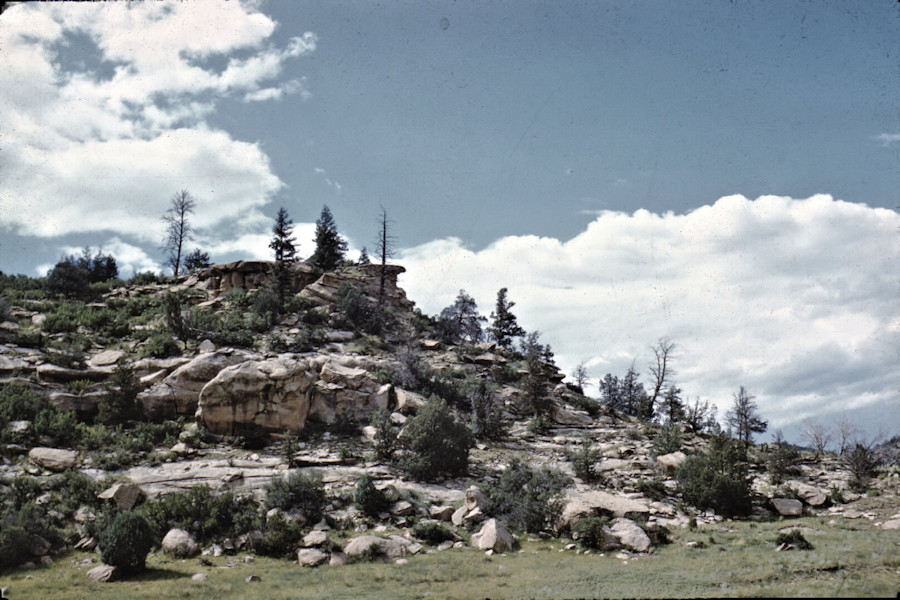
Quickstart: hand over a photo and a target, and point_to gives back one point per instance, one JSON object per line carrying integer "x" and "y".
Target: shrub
{"x": 585, "y": 461}
{"x": 782, "y": 462}
{"x": 5, "y": 310}
{"x": 19, "y": 403}
{"x": 252, "y": 437}
{"x": 126, "y": 541}
{"x": 793, "y": 538}
{"x": 861, "y": 462}
{"x": 198, "y": 510}
{"x": 654, "y": 489}
{"x": 668, "y": 440}
{"x": 281, "y": 538}
{"x": 435, "y": 443}
{"x": 432, "y": 533}
{"x": 385, "y": 435}
{"x": 14, "y": 540}
{"x": 718, "y": 479}
{"x": 298, "y": 490}
{"x": 368, "y": 498}
{"x": 120, "y": 403}
{"x": 160, "y": 344}
{"x": 589, "y": 533}
{"x": 530, "y": 499}
{"x": 487, "y": 414}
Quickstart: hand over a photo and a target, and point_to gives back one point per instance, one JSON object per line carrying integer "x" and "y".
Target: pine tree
{"x": 672, "y": 407}
{"x": 744, "y": 418}
{"x": 364, "y": 257}
{"x": 505, "y": 327}
{"x": 330, "y": 246}
{"x": 283, "y": 245}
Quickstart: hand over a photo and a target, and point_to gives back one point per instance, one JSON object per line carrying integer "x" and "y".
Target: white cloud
{"x": 91, "y": 150}
{"x": 792, "y": 298}
{"x": 888, "y": 138}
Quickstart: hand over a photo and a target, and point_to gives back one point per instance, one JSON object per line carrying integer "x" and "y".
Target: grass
{"x": 738, "y": 560}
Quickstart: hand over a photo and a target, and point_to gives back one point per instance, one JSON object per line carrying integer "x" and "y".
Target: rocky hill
{"x": 229, "y": 396}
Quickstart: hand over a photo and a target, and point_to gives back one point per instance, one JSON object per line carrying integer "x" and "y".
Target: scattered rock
{"x": 312, "y": 557}
{"x": 253, "y": 579}
{"x": 379, "y": 549}
{"x": 125, "y": 495}
{"x": 199, "y": 577}
{"x": 315, "y": 539}
{"x": 630, "y": 534}
{"x": 106, "y": 358}
{"x": 53, "y": 459}
{"x": 103, "y": 573}
{"x": 787, "y": 507}
{"x": 493, "y": 536}
{"x": 179, "y": 543}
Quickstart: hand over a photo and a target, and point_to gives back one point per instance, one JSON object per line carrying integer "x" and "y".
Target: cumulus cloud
{"x": 101, "y": 145}
{"x": 792, "y": 298}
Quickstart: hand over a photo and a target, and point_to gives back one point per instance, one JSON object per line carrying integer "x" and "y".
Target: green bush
{"x": 719, "y": 479}
{"x": 281, "y": 537}
{"x": 487, "y": 413}
{"x": 160, "y": 344}
{"x": 385, "y": 435}
{"x": 126, "y": 541}
{"x": 208, "y": 516}
{"x": 585, "y": 461}
{"x": 19, "y": 403}
{"x": 435, "y": 443}
{"x": 368, "y": 498}
{"x": 14, "y": 540}
{"x": 861, "y": 462}
{"x": 795, "y": 538}
{"x": 432, "y": 533}
{"x": 668, "y": 440}
{"x": 589, "y": 533}
{"x": 654, "y": 489}
{"x": 298, "y": 490}
{"x": 529, "y": 499}
{"x": 120, "y": 404}
{"x": 782, "y": 462}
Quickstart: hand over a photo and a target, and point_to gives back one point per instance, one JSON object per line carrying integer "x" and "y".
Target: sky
{"x": 721, "y": 174}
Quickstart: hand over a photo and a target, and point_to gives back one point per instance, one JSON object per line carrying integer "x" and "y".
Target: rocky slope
{"x": 224, "y": 394}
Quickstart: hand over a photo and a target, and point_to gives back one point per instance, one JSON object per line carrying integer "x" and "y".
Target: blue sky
{"x": 630, "y": 170}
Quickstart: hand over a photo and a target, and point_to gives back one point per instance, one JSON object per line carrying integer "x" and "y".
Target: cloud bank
{"x": 101, "y": 143}
{"x": 794, "y": 299}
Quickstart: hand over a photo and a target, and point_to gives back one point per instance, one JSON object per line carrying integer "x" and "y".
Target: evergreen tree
{"x": 363, "y": 257}
{"x": 460, "y": 322}
{"x": 672, "y": 408}
{"x": 505, "y": 327}
{"x": 634, "y": 398}
{"x": 330, "y": 246}
{"x": 744, "y": 418}
{"x": 283, "y": 245}
{"x": 197, "y": 261}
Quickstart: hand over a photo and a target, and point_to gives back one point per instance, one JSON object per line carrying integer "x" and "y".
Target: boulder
{"x": 810, "y": 494}
{"x": 380, "y": 549}
{"x": 441, "y": 513}
{"x": 103, "y": 573}
{"x": 48, "y": 373}
{"x": 179, "y": 543}
{"x": 592, "y": 503}
{"x": 314, "y": 539}
{"x": 53, "y": 459}
{"x": 346, "y": 389}
{"x": 408, "y": 403}
{"x": 493, "y": 536}
{"x": 179, "y": 393}
{"x": 312, "y": 557}
{"x": 106, "y": 358}
{"x": 566, "y": 417}
{"x": 273, "y": 394}
{"x": 668, "y": 463}
{"x": 475, "y": 498}
{"x": 125, "y": 495}
{"x": 787, "y": 507}
{"x": 630, "y": 534}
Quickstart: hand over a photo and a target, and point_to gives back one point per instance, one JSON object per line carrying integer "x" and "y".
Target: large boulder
{"x": 379, "y": 549}
{"x": 103, "y": 573}
{"x": 592, "y": 503}
{"x": 273, "y": 394}
{"x": 787, "y": 507}
{"x": 53, "y": 459}
{"x": 180, "y": 544}
{"x": 345, "y": 388}
{"x": 312, "y": 557}
{"x": 809, "y": 494}
{"x": 630, "y": 534}
{"x": 493, "y": 536}
{"x": 179, "y": 393}
{"x": 668, "y": 463}
{"x": 125, "y": 495}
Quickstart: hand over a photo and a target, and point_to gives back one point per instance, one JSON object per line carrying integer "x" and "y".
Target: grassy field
{"x": 849, "y": 558}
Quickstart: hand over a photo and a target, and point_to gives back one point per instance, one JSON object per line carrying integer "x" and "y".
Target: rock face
{"x": 365, "y": 277}
{"x": 279, "y": 394}
{"x": 179, "y": 393}
{"x": 179, "y": 543}
{"x": 493, "y": 536}
{"x": 670, "y": 462}
{"x": 247, "y": 275}
{"x": 53, "y": 459}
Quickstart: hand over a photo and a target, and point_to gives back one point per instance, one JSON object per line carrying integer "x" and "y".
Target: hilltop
{"x": 347, "y": 426}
